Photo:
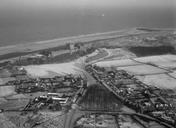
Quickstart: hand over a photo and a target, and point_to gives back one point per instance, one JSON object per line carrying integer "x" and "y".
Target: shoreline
{"x": 91, "y": 34}
{"x": 28, "y": 47}
{"x": 65, "y": 38}
{"x": 19, "y": 49}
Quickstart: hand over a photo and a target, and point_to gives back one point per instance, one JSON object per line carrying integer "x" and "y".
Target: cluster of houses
{"x": 144, "y": 99}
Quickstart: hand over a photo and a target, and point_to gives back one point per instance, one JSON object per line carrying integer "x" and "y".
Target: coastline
{"x": 57, "y": 42}
{"x": 11, "y": 51}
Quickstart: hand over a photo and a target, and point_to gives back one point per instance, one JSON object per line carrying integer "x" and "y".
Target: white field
{"x": 5, "y": 80}
{"x": 6, "y": 90}
{"x": 142, "y": 69}
{"x": 46, "y": 69}
{"x": 153, "y": 59}
{"x": 166, "y": 65}
{"x": 116, "y": 63}
{"x": 161, "y": 81}
{"x": 161, "y": 60}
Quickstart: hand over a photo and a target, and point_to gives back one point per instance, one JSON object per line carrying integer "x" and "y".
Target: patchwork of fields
{"x": 158, "y": 71}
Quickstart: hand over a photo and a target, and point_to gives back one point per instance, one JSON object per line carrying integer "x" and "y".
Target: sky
{"x": 10, "y": 8}
{"x": 7, "y": 4}
{"x": 36, "y": 8}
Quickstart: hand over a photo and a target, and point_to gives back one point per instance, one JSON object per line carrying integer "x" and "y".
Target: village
{"x": 91, "y": 85}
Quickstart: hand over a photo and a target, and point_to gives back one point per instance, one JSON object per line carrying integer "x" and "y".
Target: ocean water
{"x": 26, "y": 27}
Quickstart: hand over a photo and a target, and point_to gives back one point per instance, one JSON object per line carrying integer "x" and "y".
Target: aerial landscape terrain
{"x": 117, "y": 79}
{"x": 87, "y": 64}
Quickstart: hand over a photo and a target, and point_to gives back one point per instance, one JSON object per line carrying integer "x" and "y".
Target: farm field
{"x": 162, "y": 81}
{"x": 157, "y": 71}
{"x": 142, "y": 69}
{"x": 117, "y": 63}
{"x": 51, "y": 69}
{"x": 6, "y": 90}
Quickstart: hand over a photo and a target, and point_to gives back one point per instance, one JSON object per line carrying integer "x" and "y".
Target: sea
{"x": 26, "y": 27}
